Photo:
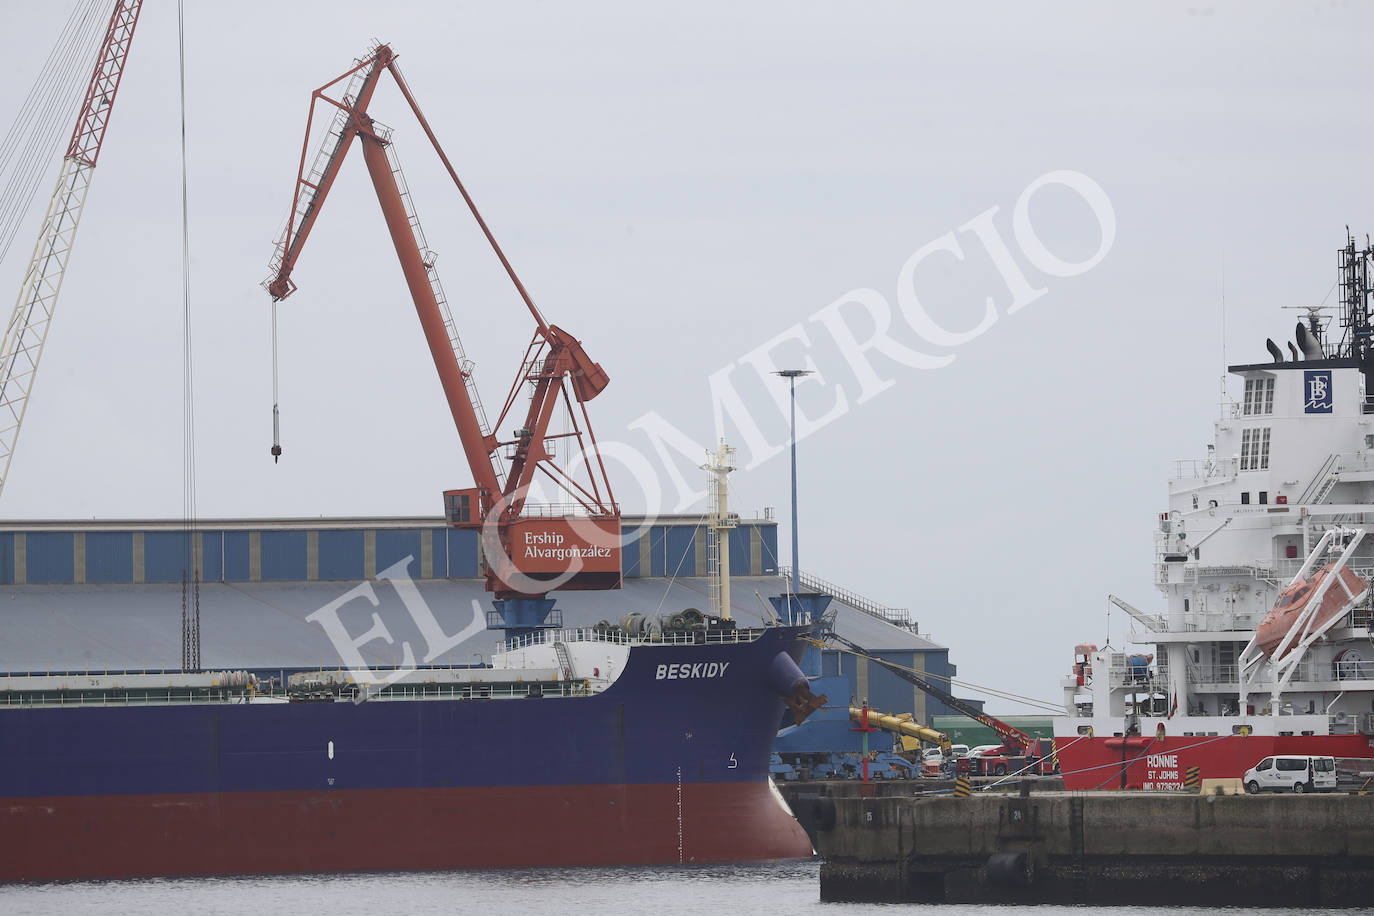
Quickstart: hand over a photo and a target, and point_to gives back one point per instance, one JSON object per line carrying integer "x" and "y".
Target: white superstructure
{"x": 1292, "y": 459}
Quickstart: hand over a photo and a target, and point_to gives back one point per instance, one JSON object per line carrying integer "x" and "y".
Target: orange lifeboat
{"x": 1293, "y": 599}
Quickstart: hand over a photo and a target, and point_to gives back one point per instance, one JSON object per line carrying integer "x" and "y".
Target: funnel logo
{"x": 1317, "y": 387}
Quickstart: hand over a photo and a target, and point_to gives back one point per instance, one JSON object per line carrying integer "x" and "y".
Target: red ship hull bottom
{"x": 1161, "y": 764}
{"x": 392, "y": 830}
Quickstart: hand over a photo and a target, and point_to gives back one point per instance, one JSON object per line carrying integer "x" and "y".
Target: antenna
{"x": 1357, "y": 341}
{"x": 1317, "y": 322}
{"x": 1224, "y": 374}
{"x": 1223, "y": 318}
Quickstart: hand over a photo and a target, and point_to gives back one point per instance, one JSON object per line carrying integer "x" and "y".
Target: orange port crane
{"x": 529, "y": 548}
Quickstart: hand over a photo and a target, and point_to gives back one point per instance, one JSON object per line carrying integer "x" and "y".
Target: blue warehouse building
{"x": 107, "y": 595}
{"x": 320, "y": 550}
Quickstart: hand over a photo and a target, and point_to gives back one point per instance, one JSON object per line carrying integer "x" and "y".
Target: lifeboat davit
{"x": 1293, "y": 599}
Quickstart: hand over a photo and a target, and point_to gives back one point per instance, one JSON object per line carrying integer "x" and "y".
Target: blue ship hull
{"x": 655, "y": 769}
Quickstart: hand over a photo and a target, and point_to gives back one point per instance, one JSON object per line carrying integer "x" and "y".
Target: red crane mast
{"x": 529, "y": 549}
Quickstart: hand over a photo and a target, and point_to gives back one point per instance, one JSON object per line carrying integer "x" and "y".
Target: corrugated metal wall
{"x": 340, "y": 555}
{"x": 281, "y": 556}
{"x": 307, "y": 555}
{"x": 49, "y": 557}
{"x": 109, "y": 557}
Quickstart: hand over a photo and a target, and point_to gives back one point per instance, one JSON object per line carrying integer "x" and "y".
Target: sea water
{"x": 775, "y": 890}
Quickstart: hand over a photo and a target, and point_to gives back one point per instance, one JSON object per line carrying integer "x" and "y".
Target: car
{"x": 958, "y": 750}
{"x": 892, "y": 766}
{"x": 1291, "y": 773}
{"x": 982, "y": 749}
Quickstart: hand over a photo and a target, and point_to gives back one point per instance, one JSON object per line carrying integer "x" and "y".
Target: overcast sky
{"x": 678, "y": 188}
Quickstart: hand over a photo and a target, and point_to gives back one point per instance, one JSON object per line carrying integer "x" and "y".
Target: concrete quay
{"x": 1139, "y": 848}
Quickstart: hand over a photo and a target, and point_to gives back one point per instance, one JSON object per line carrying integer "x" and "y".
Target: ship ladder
{"x": 564, "y": 660}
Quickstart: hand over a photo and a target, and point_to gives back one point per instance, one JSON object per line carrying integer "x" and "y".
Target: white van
{"x": 1292, "y": 773}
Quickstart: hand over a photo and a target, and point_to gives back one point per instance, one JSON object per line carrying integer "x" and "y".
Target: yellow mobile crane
{"x": 901, "y": 725}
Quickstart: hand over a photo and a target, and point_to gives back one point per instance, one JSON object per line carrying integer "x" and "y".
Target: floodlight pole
{"x": 792, "y": 375}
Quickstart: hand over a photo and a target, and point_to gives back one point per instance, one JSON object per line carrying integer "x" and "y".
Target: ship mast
{"x": 718, "y": 466}
{"x": 1357, "y": 342}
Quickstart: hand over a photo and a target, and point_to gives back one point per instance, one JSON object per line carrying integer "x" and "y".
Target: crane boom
{"x": 528, "y": 550}
{"x": 1010, "y": 734}
{"x": 901, "y": 725}
{"x": 27, "y": 331}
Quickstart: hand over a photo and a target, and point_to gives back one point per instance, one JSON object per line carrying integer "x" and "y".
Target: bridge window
{"x": 1259, "y": 396}
{"x": 1254, "y": 449}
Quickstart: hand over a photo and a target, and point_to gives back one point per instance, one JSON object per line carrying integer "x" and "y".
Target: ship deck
{"x": 265, "y": 625}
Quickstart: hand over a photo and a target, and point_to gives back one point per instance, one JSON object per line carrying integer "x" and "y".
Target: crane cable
{"x": 190, "y": 609}
{"x": 276, "y": 414}
{"x": 990, "y": 691}
{"x": 36, "y": 132}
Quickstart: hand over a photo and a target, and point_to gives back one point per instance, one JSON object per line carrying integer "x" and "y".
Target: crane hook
{"x": 276, "y": 414}
{"x": 276, "y": 435}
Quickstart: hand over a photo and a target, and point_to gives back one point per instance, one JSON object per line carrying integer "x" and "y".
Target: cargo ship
{"x": 589, "y": 746}
{"x": 606, "y": 745}
{"x": 1263, "y": 644}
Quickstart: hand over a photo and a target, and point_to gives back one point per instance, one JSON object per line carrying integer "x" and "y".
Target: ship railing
{"x": 621, "y": 638}
{"x": 554, "y": 509}
{"x": 1353, "y": 670}
{"x": 119, "y": 698}
{"x": 1286, "y": 569}
{"x": 1277, "y": 573}
{"x": 1307, "y": 672}
{"x": 894, "y": 615}
{"x": 1189, "y": 572}
{"x": 1214, "y": 674}
{"x": 97, "y": 672}
{"x": 1125, "y": 676}
{"x": 1192, "y": 569}
{"x": 1321, "y": 482}
{"x": 1205, "y": 468}
{"x": 1356, "y": 618}
{"x": 1201, "y": 623}
{"x": 402, "y": 691}
{"x": 502, "y": 691}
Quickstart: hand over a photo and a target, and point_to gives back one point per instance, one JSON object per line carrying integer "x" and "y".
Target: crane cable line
{"x": 990, "y": 691}
{"x": 39, "y": 125}
{"x": 190, "y": 581}
{"x": 65, "y": 48}
{"x": 37, "y": 130}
